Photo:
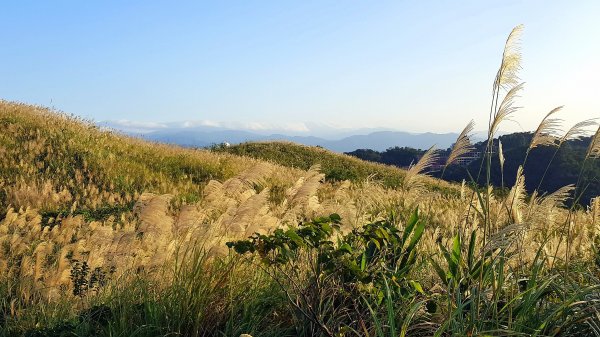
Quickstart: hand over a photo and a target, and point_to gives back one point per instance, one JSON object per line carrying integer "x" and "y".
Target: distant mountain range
{"x": 376, "y": 139}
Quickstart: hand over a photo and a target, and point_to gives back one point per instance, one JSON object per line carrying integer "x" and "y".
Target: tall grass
{"x": 104, "y": 235}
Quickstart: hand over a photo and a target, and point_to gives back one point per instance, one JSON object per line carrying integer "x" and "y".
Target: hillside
{"x": 47, "y": 157}
{"x": 103, "y": 234}
{"x": 547, "y": 169}
{"x": 336, "y": 167}
{"x": 73, "y": 195}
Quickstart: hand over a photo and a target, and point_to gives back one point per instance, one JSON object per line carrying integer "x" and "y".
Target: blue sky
{"x": 413, "y": 66}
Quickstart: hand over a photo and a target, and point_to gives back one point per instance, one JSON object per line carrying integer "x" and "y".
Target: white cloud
{"x": 138, "y": 124}
{"x": 257, "y": 126}
{"x": 143, "y": 127}
{"x": 191, "y": 124}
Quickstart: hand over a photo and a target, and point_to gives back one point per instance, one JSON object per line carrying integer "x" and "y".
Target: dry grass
{"x": 70, "y": 192}
{"x": 37, "y": 249}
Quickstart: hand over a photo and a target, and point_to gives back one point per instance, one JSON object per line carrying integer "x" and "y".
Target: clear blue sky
{"x": 415, "y": 66}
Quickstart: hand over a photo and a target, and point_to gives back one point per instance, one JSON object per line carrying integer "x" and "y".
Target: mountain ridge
{"x": 205, "y": 136}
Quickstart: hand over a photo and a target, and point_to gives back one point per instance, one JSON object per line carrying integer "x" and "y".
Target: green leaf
{"x": 376, "y": 243}
{"x": 452, "y": 266}
{"x": 327, "y": 228}
{"x": 383, "y": 234}
{"x": 295, "y": 237}
{"x": 471, "y": 249}
{"x": 456, "y": 249}
{"x": 389, "y": 303}
{"x": 378, "y": 325}
{"x": 416, "y": 286}
{"x": 345, "y": 248}
{"x": 409, "y": 254}
{"x": 418, "y": 232}
{"x": 335, "y": 217}
{"x": 441, "y": 273}
{"x": 410, "y": 224}
{"x": 363, "y": 261}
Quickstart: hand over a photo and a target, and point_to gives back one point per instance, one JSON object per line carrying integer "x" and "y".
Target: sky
{"x": 418, "y": 66}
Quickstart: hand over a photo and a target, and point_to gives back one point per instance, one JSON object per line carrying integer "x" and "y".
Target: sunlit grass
{"x": 102, "y": 234}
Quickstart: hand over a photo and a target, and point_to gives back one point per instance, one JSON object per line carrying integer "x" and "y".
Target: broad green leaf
{"x": 441, "y": 273}
{"x": 414, "y": 218}
{"x": 295, "y": 237}
{"x": 376, "y": 243}
{"x": 335, "y": 217}
{"x": 345, "y": 248}
{"x": 418, "y": 232}
{"x": 363, "y": 261}
{"x": 471, "y": 254}
{"x": 456, "y": 249}
{"x": 327, "y": 228}
{"x": 452, "y": 266}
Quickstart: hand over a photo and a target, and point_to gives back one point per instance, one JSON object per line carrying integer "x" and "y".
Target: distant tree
{"x": 366, "y": 154}
{"x": 401, "y": 156}
{"x": 564, "y": 169}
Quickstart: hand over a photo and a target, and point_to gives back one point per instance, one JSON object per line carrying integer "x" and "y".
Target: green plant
{"x": 320, "y": 276}
{"x": 85, "y": 279}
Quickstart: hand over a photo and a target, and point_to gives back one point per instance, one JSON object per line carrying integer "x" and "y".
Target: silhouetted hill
{"x": 546, "y": 167}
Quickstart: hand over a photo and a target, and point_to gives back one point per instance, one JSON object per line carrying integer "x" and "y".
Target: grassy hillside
{"x": 105, "y": 235}
{"x": 335, "y": 166}
{"x": 79, "y": 206}
{"x": 47, "y": 159}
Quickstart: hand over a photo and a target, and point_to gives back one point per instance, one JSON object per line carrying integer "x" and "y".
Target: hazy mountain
{"x": 195, "y": 137}
{"x": 380, "y": 141}
{"x": 385, "y": 139}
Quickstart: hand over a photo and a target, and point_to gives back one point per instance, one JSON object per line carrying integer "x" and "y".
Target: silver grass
{"x": 462, "y": 145}
{"x": 501, "y": 155}
{"x": 307, "y": 187}
{"x": 578, "y": 130}
{"x": 547, "y": 132}
{"x": 517, "y": 196}
{"x": 507, "y": 75}
{"x": 213, "y": 190}
{"x": 427, "y": 160}
{"x": 534, "y": 200}
{"x": 254, "y": 176}
{"x": 504, "y": 237}
{"x": 506, "y": 108}
{"x": 558, "y": 198}
{"x": 595, "y": 213}
{"x": 243, "y": 218}
{"x": 543, "y": 209}
{"x": 594, "y": 148}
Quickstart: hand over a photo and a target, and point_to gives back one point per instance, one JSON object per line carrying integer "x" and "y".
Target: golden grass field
{"x": 72, "y": 191}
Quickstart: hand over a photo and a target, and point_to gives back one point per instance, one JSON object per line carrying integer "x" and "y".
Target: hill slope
{"x": 334, "y": 166}
{"x": 46, "y": 158}
{"x": 71, "y": 192}
{"x": 90, "y": 217}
